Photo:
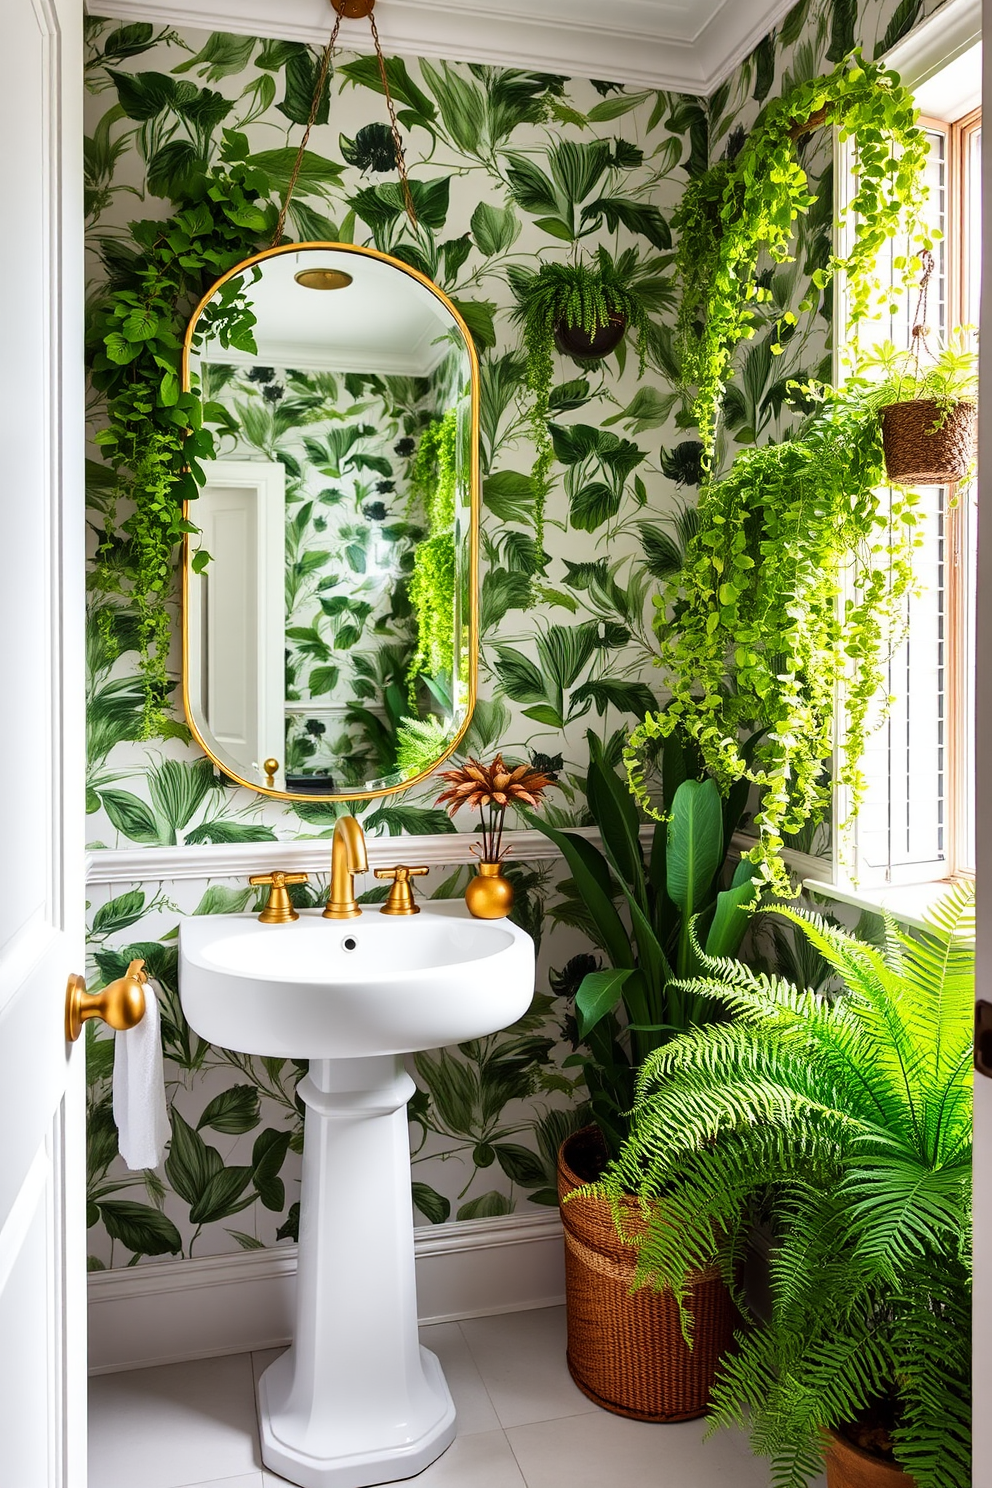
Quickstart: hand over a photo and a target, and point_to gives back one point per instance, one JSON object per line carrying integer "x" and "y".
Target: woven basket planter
{"x": 850, "y": 1467}
{"x": 625, "y": 1350}
{"x": 917, "y": 453}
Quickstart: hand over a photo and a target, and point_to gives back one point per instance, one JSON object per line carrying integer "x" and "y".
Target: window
{"x": 916, "y": 822}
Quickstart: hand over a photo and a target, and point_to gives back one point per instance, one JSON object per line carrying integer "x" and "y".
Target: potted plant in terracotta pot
{"x": 851, "y": 1117}
{"x": 627, "y": 1352}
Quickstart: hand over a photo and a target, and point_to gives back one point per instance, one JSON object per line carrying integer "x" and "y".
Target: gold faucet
{"x": 348, "y": 857}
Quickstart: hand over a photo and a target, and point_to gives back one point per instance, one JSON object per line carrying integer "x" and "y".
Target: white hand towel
{"x": 139, "y": 1089}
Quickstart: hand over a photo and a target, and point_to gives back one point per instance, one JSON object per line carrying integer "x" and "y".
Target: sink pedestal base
{"x": 355, "y": 1400}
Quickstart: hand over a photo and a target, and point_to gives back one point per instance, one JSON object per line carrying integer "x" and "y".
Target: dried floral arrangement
{"x": 490, "y": 789}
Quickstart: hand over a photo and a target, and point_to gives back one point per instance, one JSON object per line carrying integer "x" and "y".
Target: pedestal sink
{"x": 355, "y": 1400}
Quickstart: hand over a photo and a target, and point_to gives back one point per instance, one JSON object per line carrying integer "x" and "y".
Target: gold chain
{"x": 411, "y": 211}
{"x": 920, "y": 328}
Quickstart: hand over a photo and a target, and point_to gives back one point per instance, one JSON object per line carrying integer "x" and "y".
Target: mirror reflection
{"x": 330, "y": 600}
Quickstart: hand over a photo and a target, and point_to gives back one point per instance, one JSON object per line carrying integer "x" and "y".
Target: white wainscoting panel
{"x": 309, "y": 855}
{"x": 164, "y": 1312}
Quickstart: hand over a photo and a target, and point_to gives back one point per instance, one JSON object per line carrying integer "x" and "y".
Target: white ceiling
{"x": 688, "y": 45}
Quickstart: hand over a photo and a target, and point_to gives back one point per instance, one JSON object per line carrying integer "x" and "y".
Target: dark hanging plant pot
{"x": 625, "y": 1349}
{"x": 573, "y": 341}
{"x": 927, "y": 443}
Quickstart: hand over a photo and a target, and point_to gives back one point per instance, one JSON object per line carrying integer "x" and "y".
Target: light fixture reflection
{"x": 323, "y": 278}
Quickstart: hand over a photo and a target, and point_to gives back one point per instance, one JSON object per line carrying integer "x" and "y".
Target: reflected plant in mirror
{"x": 331, "y": 625}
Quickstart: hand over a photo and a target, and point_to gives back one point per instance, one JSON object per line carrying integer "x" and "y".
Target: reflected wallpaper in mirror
{"x": 330, "y": 633}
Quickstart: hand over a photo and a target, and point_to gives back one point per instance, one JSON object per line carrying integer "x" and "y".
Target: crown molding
{"x": 950, "y": 32}
{"x": 624, "y": 49}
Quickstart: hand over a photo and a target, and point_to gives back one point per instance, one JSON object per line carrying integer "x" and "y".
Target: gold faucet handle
{"x": 401, "y": 900}
{"x": 121, "y": 1004}
{"x": 279, "y": 906}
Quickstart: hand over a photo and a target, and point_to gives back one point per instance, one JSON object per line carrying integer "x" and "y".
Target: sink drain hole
{"x": 349, "y": 943}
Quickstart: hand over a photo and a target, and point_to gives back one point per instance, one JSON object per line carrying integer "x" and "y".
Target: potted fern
{"x": 627, "y": 1352}
{"x": 851, "y": 1119}
{"x": 584, "y": 310}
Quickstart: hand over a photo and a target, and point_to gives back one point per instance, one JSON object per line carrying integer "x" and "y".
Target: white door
{"x": 235, "y": 659}
{"x": 42, "y": 1267}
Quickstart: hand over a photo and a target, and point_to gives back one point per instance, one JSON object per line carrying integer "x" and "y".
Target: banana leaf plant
{"x": 639, "y": 908}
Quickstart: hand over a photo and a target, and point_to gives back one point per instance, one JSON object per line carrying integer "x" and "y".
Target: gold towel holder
{"x": 121, "y": 1003}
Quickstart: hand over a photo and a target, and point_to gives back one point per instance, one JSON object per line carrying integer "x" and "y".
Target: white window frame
{"x": 946, "y": 44}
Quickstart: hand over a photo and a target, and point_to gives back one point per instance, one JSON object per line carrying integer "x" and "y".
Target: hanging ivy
{"x": 738, "y": 210}
{"x": 793, "y": 584}
{"x": 433, "y": 482}
{"x": 154, "y": 437}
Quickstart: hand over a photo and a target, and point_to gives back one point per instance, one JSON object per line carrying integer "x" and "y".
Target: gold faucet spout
{"x": 348, "y": 857}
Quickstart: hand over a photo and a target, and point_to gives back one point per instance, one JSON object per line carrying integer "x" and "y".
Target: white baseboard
{"x": 166, "y": 1311}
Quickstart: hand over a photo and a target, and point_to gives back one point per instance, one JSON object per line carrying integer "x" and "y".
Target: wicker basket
{"x": 850, "y": 1467}
{"x": 917, "y": 453}
{"x": 626, "y": 1351}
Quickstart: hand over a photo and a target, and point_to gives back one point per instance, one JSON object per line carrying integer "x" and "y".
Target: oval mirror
{"x": 330, "y": 597}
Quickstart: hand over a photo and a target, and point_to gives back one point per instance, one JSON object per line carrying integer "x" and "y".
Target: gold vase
{"x": 489, "y": 895}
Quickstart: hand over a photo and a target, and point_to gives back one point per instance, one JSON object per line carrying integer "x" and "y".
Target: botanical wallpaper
{"x": 509, "y": 169}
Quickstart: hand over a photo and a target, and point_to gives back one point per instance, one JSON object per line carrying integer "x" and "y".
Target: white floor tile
{"x": 247, "y": 1480}
{"x": 521, "y": 1358}
{"x": 482, "y": 1460}
{"x": 472, "y": 1402}
{"x": 588, "y": 1451}
{"x": 175, "y": 1426}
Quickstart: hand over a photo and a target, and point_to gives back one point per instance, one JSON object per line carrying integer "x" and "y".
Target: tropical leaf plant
{"x": 851, "y": 1119}
{"x": 639, "y": 910}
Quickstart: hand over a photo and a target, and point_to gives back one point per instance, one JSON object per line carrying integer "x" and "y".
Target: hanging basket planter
{"x": 575, "y": 341}
{"x": 626, "y": 1351}
{"x": 927, "y": 443}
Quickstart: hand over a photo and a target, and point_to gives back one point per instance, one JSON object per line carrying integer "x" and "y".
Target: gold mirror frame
{"x": 474, "y": 487}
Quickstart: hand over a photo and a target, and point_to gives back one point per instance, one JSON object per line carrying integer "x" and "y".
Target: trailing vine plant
{"x": 433, "y": 480}
{"x": 792, "y": 584}
{"x": 738, "y": 210}
{"x": 154, "y": 437}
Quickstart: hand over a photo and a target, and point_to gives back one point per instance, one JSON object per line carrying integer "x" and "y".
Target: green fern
{"x": 855, "y": 1117}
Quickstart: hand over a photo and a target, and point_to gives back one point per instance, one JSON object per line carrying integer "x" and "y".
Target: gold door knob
{"x": 279, "y": 906}
{"x": 401, "y": 900}
{"x": 121, "y": 1003}
{"x": 271, "y": 768}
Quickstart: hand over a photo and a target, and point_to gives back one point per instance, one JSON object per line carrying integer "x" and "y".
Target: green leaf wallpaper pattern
{"x": 509, "y": 168}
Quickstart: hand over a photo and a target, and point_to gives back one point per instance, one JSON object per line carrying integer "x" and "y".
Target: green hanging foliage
{"x": 433, "y": 482}
{"x": 739, "y": 210}
{"x": 154, "y": 436}
{"x": 792, "y": 585}
{"x": 582, "y": 297}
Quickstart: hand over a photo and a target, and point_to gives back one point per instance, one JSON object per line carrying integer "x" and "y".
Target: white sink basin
{"x": 346, "y": 989}
{"x": 355, "y": 1400}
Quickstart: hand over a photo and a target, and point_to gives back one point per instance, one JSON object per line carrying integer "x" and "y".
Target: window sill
{"x": 907, "y": 903}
